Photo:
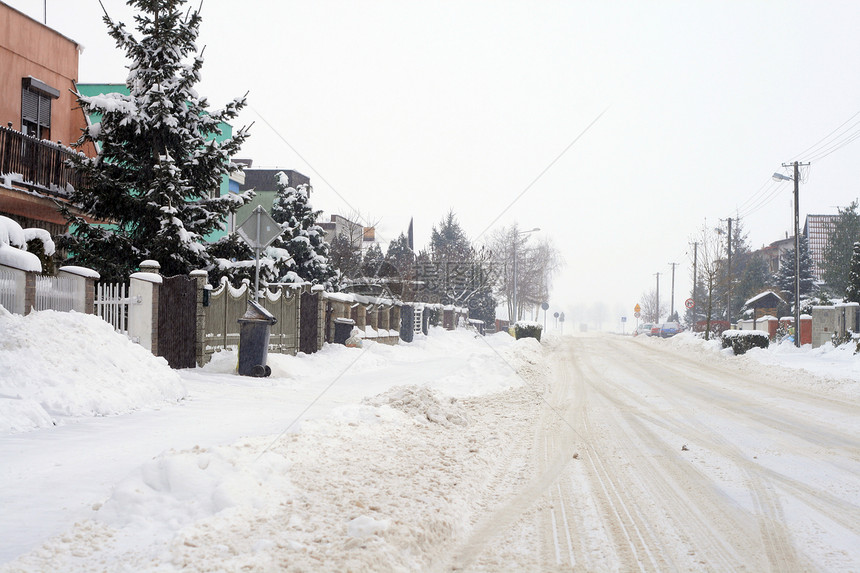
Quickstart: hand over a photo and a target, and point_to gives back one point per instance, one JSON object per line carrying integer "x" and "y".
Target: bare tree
{"x": 650, "y": 306}
{"x": 711, "y": 256}
{"x": 537, "y": 264}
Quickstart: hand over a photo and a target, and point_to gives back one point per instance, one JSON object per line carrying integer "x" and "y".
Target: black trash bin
{"x": 254, "y": 330}
{"x": 342, "y": 329}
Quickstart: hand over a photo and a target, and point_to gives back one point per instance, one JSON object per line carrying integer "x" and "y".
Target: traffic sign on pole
{"x": 689, "y": 303}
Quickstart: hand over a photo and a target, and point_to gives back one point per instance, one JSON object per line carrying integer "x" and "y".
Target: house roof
{"x": 264, "y": 179}
{"x": 767, "y": 299}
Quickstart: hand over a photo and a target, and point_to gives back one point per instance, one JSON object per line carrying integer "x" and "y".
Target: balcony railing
{"x": 40, "y": 164}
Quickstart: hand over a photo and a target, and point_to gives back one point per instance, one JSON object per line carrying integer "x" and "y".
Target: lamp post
{"x": 516, "y": 316}
{"x": 796, "y": 179}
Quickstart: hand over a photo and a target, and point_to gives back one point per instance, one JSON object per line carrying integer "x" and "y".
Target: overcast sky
{"x": 407, "y": 109}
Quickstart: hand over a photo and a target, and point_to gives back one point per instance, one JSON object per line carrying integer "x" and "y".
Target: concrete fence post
{"x": 143, "y": 291}
{"x": 86, "y": 278}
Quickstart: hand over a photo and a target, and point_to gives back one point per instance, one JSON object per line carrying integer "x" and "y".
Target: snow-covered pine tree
{"x": 303, "y": 239}
{"x": 852, "y": 292}
{"x": 372, "y": 262}
{"x": 784, "y": 277}
{"x": 154, "y": 184}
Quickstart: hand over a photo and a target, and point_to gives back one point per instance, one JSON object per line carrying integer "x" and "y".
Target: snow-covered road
{"x": 596, "y": 453}
{"x": 652, "y": 459}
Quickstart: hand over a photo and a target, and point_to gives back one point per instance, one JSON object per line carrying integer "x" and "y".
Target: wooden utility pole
{"x": 729, "y": 278}
{"x": 673, "y": 290}
{"x": 695, "y": 278}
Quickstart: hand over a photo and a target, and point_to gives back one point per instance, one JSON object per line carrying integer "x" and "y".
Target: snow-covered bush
{"x": 742, "y": 340}
{"x": 527, "y": 330}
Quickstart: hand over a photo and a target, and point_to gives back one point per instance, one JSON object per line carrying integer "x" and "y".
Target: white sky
{"x": 404, "y": 109}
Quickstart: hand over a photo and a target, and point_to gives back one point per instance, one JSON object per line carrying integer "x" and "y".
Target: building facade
{"x": 817, "y": 231}
{"x": 39, "y": 118}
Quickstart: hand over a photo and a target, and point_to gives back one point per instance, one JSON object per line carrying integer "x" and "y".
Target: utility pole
{"x": 729, "y": 278}
{"x": 695, "y": 278}
{"x": 658, "y": 298}
{"x": 796, "y": 178}
{"x": 673, "y": 289}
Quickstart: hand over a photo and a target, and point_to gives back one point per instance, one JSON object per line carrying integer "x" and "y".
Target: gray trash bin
{"x": 342, "y": 329}
{"x": 254, "y": 329}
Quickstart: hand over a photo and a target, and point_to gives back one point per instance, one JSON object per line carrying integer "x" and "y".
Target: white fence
{"x": 12, "y": 290}
{"x": 59, "y": 293}
{"x": 111, "y": 304}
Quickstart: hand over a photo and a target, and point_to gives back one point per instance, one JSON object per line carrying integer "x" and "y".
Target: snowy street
{"x": 456, "y": 453}
{"x": 693, "y": 465}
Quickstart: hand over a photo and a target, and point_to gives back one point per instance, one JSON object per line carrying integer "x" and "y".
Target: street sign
{"x": 623, "y": 319}
{"x": 259, "y": 229}
{"x": 689, "y": 303}
{"x": 637, "y": 314}
{"x": 544, "y": 305}
{"x": 637, "y": 308}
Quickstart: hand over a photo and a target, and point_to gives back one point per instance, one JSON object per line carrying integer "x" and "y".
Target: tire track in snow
{"x": 775, "y": 537}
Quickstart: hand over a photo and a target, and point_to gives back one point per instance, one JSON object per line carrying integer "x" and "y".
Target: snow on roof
{"x": 761, "y": 296}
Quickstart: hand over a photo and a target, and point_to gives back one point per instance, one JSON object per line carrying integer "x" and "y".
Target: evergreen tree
{"x": 345, "y": 257}
{"x": 852, "y": 292}
{"x": 754, "y": 279}
{"x": 399, "y": 257}
{"x": 234, "y": 259}
{"x": 301, "y": 253}
{"x": 449, "y": 243}
{"x": 156, "y": 177}
{"x": 371, "y": 263}
{"x": 784, "y": 277}
{"x": 837, "y": 254}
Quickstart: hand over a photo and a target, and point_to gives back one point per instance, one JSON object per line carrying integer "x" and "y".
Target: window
{"x": 36, "y": 97}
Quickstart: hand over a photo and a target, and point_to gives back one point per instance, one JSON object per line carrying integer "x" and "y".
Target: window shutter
{"x": 45, "y": 111}
{"x": 29, "y": 106}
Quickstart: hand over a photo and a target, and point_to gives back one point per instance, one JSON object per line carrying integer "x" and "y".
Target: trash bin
{"x": 407, "y": 323}
{"x": 254, "y": 329}
{"x": 342, "y": 328}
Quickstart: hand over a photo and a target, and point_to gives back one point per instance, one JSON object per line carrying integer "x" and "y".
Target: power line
{"x": 812, "y": 147}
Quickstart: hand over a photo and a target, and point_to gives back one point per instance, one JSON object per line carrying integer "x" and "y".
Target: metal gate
{"x": 177, "y": 321}
{"x": 309, "y": 322}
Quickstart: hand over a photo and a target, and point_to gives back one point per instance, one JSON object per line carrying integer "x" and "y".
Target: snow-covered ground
{"x": 111, "y": 460}
{"x": 380, "y": 458}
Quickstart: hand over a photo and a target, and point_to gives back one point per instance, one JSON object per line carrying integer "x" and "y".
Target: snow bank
{"x": 57, "y": 366}
{"x": 828, "y": 368}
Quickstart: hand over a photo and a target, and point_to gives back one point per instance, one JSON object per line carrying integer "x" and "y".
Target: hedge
{"x": 527, "y": 330}
{"x": 742, "y": 340}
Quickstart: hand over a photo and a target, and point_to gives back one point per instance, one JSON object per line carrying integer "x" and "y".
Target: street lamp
{"x": 796, "y": 179}
{"x": 516, "y": 316}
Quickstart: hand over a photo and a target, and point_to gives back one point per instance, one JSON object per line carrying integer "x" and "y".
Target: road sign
{"x": 689, "y": 303}
{"x": 637, "y": 308}
{"x": 259, "y": 229}
{"x": 623, "y": 319}
{"x": 637, "y": 314}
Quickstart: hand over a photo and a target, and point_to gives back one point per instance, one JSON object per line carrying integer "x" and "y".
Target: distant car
{"x": 655, "y": 330}
{"x": 643, "y": 329}
{"x": 668, "y": 329}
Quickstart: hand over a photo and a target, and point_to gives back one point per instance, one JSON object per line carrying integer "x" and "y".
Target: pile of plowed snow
{"x": 58, "y": 366}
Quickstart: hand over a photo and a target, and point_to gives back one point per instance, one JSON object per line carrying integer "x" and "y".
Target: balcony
{"x": 36, "y": 164}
